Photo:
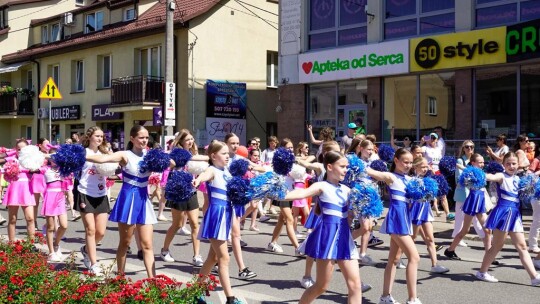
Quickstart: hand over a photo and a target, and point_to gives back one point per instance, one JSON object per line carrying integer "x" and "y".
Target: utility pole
{"x": 169, "y": 105}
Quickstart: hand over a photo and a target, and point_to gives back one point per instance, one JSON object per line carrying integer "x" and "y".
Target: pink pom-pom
{"x": 11, "y": 171}
{"x": 3, "y": 150}
{"x": 109, "y": 183}
{"x": 154, "y": 179}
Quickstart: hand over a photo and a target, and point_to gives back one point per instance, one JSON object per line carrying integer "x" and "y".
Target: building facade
{"x": 468, "y": 66}
{"x": 109, "y": 65}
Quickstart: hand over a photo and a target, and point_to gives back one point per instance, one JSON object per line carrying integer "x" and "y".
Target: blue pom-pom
{"x": 386, "y": 153}
{"x": 180, "y": 156}
{"x": 364, "y": 200}
{"x": 414, "y": 189}
{"x": 431, "y": 188}
{"x": 179, "y": 187}
{"x": 472, "y": 178}
{"x": 269, "y": 185}
{"x": 537, "y": 189}
{"x": 379, "y": 165}
{"x": 527, "y": 186}
{"x": 239, "y": 167}
{"x": 70, "y": 159}
{"x": 356, "y": 170}
{"x": 447, "y": 166}
{"x": 493, "y": 167}
{"x": 283, "y": 161}
{"x": 443, "y": 185}
{"x": 155, "y": 160}
{"x": 237, "y": 190}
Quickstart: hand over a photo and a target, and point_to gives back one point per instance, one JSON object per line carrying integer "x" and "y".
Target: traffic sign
{"x": 50, "y": 90}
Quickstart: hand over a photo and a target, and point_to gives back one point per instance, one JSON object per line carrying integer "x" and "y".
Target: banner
{"x": 226, "y": 99}
{"x": 217, "y": 128}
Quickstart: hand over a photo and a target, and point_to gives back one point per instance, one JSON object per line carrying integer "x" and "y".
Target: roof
{"x": 82, "y": 9}
{"x": 15, "y": 2}
{"x": 151, "y": 20}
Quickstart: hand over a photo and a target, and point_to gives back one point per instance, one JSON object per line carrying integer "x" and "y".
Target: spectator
{"x": 326, "y": 134}
{"x": 115, "y": 145}
{"x": 501, "y": 150}
{"x": 520, "y": 147}
{"x": 531, "y": 148}
{"x": 440, "y": 141}
{"x": 406, "y": 141}
{"x": 346, "y": 140}
{"x": 268, "y": 154}
{"x": 432, "y": 152}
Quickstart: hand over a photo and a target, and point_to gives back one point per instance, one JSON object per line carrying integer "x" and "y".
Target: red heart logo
{"x": 306, "y": 66}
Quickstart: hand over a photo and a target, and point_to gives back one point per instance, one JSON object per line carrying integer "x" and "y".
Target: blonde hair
{"x": 180, "y": 137}
{"x": 214, "y": 147}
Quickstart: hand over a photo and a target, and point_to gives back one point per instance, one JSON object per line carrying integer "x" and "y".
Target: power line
{"x": 48, "y": 7}
{"x": 243, "y": 12}
{"x": 262, "y": 9}
{"x": 265, "y": 21}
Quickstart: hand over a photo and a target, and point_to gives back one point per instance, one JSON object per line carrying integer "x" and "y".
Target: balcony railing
{"x": 17, "y": 104}
{"x": 137, "y": 90}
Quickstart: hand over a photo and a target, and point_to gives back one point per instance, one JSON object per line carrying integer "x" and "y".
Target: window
{"x": 431, "y": 106}
{"x": 408, "y": 18}
{"x": 78, "y": 84}
{"x": 272, "y": 69}
{"x": 55, "y": 72}
{"x": 491, "y": 13}
{"x": 530, "y": 107}
{"x": 104, "y": 71}
{"x": 129, "y": 14}
{"x": 150, "y": 61}
{"x": 337, "y": 23}
{"x": 79, "y": 2}
{"x": 55, "y": 32}
{"x": 94, "y": 22}
{"x": 3, "y": 19}
{"x": 44, "y": 34}
{"x": 29, "y": 84}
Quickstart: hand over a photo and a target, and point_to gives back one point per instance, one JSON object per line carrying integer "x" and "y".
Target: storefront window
{"x": 400, "y": 107}
{"x": 530, "y": 95}
{"x": 322, "y": 106}
{"x": 494, "y": 12}
{"x": 437, "y": 103}
{"x": 530, "y": 10}
{"x": 496, "y": 102}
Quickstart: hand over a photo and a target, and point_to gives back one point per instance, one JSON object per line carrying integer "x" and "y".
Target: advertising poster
{"x": 217, "y": 128}
{"x": 226, "y": 99}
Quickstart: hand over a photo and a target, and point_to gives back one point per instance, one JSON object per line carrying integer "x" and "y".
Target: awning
{"x": 13, "y": 67}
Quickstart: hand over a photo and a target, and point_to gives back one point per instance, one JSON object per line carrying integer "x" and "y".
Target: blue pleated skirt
{"x": 239, "y": 210}
{"x": 421, "y": 213}
{"x": 217, "y": 221}
{"x": 133, "y": 206}
{"x": 474, "y": 203}
{"x": 331, "y": 240}
{"x": 505, "y": 217}
{"x": 398, "y": 220}
{"x": 312, "y": 219}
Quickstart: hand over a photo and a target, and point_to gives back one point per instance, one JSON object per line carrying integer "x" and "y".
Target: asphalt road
{"x": 279, "y": 274}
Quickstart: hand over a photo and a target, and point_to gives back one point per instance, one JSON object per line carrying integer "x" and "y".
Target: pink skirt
{"x": 301, "y": 202}
{"x": 67, "y": 184}
{"x": 37, "y": 183}
{"x": 18, "y": 193}
{"x": 54, "y": 200}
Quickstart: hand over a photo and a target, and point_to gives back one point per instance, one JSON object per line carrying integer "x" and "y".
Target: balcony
{"x": 16, "y": 104}
{"x": 137, "y": 91}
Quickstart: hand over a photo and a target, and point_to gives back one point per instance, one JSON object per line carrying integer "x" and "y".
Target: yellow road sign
{"x": 50, "y": 90}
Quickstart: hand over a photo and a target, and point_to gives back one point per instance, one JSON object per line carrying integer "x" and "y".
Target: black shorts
{"x": 282, "y": 204}
{"x": 88, "y": 204}
{"x": 188, "y": 205}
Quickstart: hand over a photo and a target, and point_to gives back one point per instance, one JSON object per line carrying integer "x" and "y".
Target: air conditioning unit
{"x": 43, "y": 113}
{"x": 69, "y": 20}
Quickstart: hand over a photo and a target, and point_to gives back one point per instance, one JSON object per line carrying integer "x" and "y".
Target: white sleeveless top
{"x": 52, "y": 176}
{"x": 333, "y": 199}
{"x": 218, "y": 185}
{"x": 91, "y": 182}
{"x": 397, "y": 188}
{"x": 131, "y": 173}
{"x": 508, "y": 189}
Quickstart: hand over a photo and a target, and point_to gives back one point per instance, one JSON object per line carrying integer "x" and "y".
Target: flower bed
{"x": 26, "y": 277}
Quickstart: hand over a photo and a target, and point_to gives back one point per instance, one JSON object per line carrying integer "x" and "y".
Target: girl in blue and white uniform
{"x": 505, "y": 219}
{"x": 217, "y": 220}
{"x": 132, "y": 210}
{"x": 398, "y": 225}
{"x": 331, "y": 241}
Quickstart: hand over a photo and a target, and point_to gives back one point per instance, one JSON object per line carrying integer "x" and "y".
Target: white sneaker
{"x": 415, "y": 301}
{"x": 486, "y": 277}
{"x": 96, "y": 270}
{"x": 54, "y": 258}
{"x": 274, "y": 247}
{"x": 86, "y": 259}
{"x": 366, "y": 287}
{"x": 198, "y": 261}
{"x": 387, "y": 300}
{"x": 536, "y": 263}
{"x": 273, "y": 211}
{"x": 366, "y": 261}
{"x": 463, "y": 244}
{"x": 185, "y": 231}
{"x": 536, "y": 280}
{"x": 307, "y": 282}
{"x": 166, "y": 256}
{"x": 264, "y": 218}
{"x": 401, "y": 265}
{"x": 439, "y": 269}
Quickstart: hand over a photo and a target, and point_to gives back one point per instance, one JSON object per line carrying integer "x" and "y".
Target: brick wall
{"x": 290, "y": 121}
{"x": 463, "y": 110}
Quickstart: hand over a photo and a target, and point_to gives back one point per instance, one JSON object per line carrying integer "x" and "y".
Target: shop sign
{"x": 103, "y": 112}
{"x": 217, "y": 128}
{"x": 523, "y": 41}
{"x": 380, "y": 59}
{"x": 475, "y": 48}
{"x": 226, "y": 99}
{"x": 66, "y": 113}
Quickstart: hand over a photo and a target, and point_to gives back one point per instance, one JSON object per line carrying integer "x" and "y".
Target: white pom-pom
{"x": 106, "y": 169}
{"x": 31, "y": 158}
{"x": 196, "y": 167}
{"x": 297, "y": 172}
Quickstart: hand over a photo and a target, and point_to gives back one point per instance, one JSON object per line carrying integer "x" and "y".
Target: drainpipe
{"x": 37, "y": 93}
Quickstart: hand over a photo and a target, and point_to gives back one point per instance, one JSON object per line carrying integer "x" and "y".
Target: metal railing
{"x": 137, "y": 90}
{"x": 17, "y": 104}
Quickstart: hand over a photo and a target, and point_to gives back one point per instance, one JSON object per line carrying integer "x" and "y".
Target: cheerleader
{"x": 333, "y": 206}
{"x": 54, "y": 205}
{"x": 187, "y": 209}
{"x": 91, "y": 199}
{"x": 17, "y": 195}
{"x": 505, "y": 219}
{"x": 398, "y": 225}
{"x": 422, "y": 217}
{"x": 255, "y": 205}
{"x": 132, "y": 210}
{"x": 217, "y": 220}
{"x": 37, "y": 180}
{"x": 473, "y": 207}
{"x": 300, "y": 205}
